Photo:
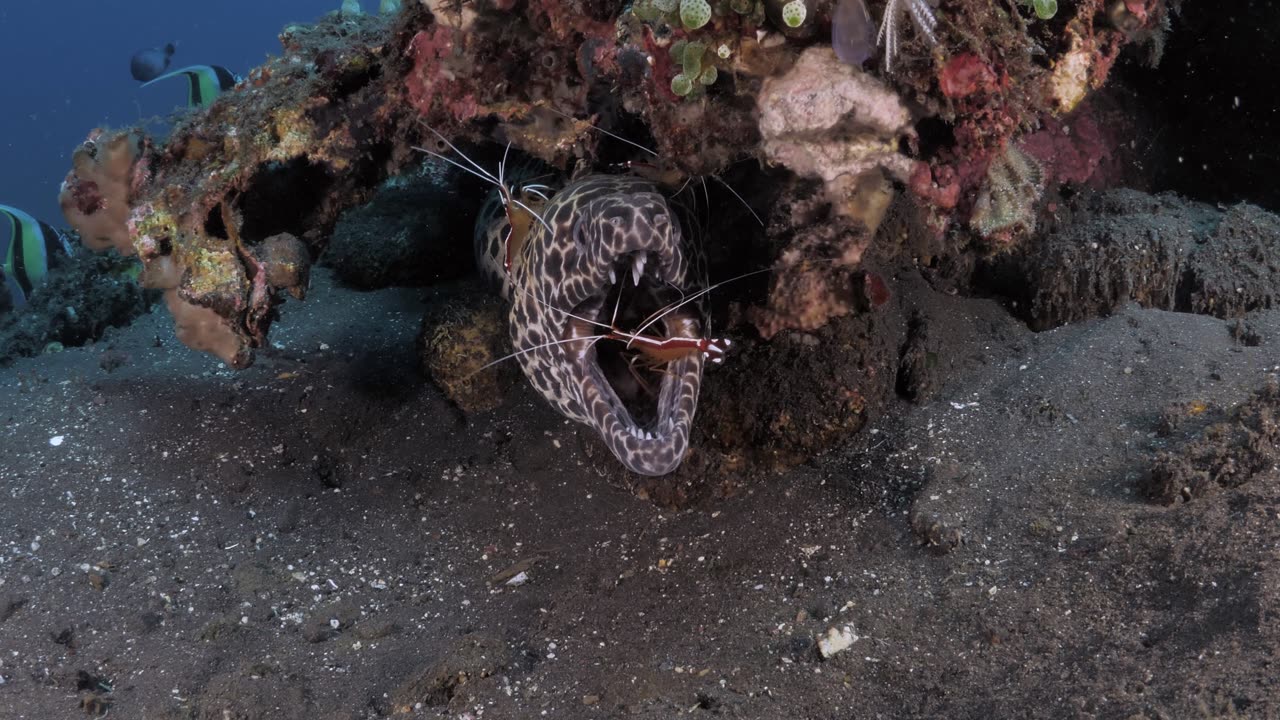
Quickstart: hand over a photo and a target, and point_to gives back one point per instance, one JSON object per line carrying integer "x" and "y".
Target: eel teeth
{"x": 613, "y": 277}
{"x": 637, "y": 268}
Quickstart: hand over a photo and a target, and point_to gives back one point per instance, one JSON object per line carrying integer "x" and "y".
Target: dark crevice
{"x": 214, "y": 225}
{"x": 283, "y": 197}
{"x": 371, "y": 170}
{"x": 933, "y": 133}
{"x": 1185, "y": 288}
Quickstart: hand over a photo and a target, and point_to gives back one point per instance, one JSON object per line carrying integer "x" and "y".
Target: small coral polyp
{"x": 826, "y": 120}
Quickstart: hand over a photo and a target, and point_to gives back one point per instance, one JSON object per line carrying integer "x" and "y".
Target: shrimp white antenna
{"x": 728, "y": 187}
{"x": 606, "y": 132}
{"x": 479, "y": 168}
{"x": 593, "y": 338}
{"x": 481, "y": 173}
{"x": 663, "y": 312}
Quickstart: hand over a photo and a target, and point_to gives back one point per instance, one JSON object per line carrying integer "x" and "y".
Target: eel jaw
{"x": 659, "y": 447}
{"x": 656, "y": 447}
{"x": 628, "y": 241}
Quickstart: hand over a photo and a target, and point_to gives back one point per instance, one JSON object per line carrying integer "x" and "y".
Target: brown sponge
{"x": 96, "y": 195}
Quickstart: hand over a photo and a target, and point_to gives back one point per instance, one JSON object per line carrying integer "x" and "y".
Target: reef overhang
{"x": 230, "y": 209}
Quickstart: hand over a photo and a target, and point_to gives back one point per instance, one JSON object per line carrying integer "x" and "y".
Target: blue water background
{"x": 66, "y": 71}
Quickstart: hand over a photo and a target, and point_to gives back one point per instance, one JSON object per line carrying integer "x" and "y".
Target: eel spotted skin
{"x": 595, "y": 233}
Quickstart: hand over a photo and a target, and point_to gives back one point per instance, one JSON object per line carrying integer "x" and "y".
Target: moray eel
{"x": 606, "y": 248}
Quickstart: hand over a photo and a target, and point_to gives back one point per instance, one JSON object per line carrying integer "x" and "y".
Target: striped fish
{"x": 204, "y": 83}
{"x": 28, "y": 250}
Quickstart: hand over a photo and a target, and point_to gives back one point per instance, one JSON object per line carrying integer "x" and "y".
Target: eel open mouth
{"x": 643, "y": 405}
{"x": 609, "y": 242}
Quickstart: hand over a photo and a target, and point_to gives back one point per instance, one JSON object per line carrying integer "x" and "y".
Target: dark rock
{"x": 415, "y": 231}
{"x": 78, "y": 302}
{"x": 1160, "y": 251}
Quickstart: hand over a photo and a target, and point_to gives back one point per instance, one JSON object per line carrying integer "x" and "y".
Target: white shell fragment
{"x": 836, "y": 640}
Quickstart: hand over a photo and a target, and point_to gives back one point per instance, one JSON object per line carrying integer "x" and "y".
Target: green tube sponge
{"x": 677, "y": 51}
{"x": 694, "y": 13}
{"x": 646, "y": 10}
{"x": 1045, "y": 9}
{"x": 794, "y": 12}
{"x": 692, "y": 60}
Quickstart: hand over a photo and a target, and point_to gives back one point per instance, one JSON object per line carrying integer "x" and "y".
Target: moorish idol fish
{"x": 29, "y": 249}
{"x": 147, "y": 64}
{"x": 204, "y": 82}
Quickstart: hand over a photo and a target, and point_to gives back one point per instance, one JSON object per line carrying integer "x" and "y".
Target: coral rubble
{"x": 456, "y": 344}
{"x": 1236, "y": 448}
